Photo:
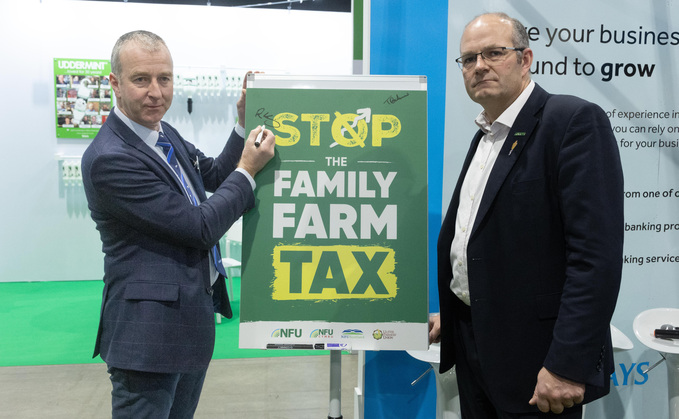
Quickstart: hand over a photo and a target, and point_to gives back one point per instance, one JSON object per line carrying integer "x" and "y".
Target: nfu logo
{"x": 287, "y": 333}
{"x": 628, "y": 378}
{"x": 322, "y": 333}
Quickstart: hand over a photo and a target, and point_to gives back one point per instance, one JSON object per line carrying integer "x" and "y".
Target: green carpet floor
{"x": 50, "y": 323}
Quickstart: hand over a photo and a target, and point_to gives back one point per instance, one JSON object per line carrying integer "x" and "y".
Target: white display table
{"x": 620, "y": 340}
{"x": 447, "y": 397}
{"x": 644, "y": 325}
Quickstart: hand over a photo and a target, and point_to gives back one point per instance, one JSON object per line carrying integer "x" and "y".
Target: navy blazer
{"x": 158, "y": 306}
{"x": 545, "y": 252}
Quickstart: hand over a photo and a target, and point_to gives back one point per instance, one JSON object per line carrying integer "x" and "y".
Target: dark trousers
{"x": 139, "y": 394}
{"x": 475, "y": 400}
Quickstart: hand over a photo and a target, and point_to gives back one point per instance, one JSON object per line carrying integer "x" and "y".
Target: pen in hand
{"x": 258, "y": 140}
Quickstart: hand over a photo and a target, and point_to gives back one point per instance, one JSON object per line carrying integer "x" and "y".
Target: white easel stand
{"x": 644, "y": 325}
{"x": 673, "y": 383}
{"x": 335, "y": 411}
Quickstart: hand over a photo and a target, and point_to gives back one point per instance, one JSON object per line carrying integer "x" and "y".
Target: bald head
{"x": 494, "y": 48}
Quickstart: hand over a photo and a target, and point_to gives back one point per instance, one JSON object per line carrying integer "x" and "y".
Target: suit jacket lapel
{"x": 190, "y": 167}
{"x": 132, "y": 139}
{"x": 519, "y": 135}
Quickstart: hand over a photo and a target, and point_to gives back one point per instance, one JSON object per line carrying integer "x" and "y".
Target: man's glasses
{"x": 489, "y": 55}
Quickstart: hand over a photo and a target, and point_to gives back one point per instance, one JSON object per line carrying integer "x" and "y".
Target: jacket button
{"x": 209, "y": 290}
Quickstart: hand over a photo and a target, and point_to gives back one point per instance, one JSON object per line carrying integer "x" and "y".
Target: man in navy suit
{"x": 146, "y": 189}
{"x": 530, "y": 250}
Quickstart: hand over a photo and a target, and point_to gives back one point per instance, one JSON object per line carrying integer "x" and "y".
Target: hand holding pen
{"x": 258, "y": 140}
{"x": 258, "y": 150}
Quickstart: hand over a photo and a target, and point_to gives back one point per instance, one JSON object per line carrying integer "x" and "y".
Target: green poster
{"x": 82, "y": 96}
{"x": 335, "y": 252}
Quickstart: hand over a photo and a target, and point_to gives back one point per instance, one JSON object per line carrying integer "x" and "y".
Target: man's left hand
{"x": 434, "y": 328}
{"x": 554, "y": 393}
{"x": 240, "y": 105}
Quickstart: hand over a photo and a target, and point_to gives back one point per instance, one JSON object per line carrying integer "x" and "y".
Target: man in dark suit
{"x": 146, "y": 186}
{"x": 530, "y": 250}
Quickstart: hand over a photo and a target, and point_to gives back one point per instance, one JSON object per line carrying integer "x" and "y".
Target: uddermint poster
{"x": 335, "y": 251}
{"x": 82, "y": 96}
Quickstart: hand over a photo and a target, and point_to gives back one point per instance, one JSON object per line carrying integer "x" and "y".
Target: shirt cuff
{"x": 240, "y": 130}
{"x": 247, "y": 175}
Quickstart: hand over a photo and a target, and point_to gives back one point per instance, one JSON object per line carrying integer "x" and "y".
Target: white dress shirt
{"x": 474, "y": 185}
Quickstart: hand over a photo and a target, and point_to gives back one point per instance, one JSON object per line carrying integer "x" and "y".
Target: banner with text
{"x": 335, "y": 251}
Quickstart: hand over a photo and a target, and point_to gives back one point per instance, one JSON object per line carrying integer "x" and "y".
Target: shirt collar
{"x": 507, "y": 117}
{"x": 147, "y": 135}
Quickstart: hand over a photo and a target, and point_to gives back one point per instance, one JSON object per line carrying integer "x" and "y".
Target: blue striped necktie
{"x": 168, "y": 150}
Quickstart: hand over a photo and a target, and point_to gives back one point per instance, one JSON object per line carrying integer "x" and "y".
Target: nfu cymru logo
{"x": 287, "y": 333}
{"x": 322, "y": 333}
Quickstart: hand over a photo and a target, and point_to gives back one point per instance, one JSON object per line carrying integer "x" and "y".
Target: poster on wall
{"x": 335, "y": 251}
{"x": 622, "y": 55}
{"x": 82, "y": 96}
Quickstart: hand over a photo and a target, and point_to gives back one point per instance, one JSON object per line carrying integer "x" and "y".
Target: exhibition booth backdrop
{"x": 47, "y": 231}
{"x": 48, "y": 234}
{"x": 619, "y": 54}
{"x": 51, "y": 262}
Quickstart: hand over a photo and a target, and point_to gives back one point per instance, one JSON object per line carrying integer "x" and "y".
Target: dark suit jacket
{"x": 545, "y": 252}
{"x": 158, "y": 305}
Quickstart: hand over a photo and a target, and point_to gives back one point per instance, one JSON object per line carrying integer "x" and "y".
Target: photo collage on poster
{"x": 83, "y": 97}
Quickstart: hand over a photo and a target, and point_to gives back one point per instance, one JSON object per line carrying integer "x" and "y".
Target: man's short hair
{"x": 144, "y": 39}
